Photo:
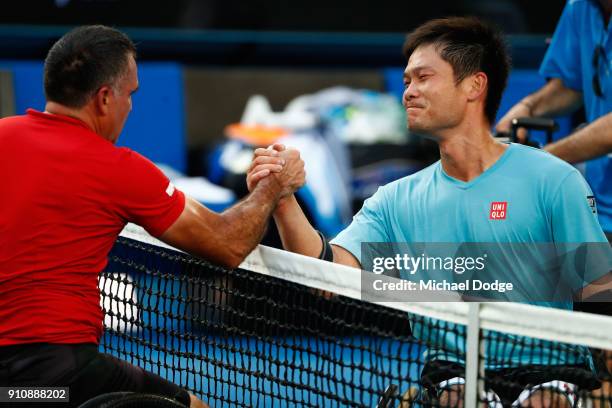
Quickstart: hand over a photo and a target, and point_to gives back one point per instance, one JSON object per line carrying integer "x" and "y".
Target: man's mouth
{"x": 413, "y": 106}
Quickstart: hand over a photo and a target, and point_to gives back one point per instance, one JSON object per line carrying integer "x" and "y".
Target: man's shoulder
{"x": 581, "y": 3}
{"x": 127, "y": 154}
{"x": 13, "y": 120}
{"x": 581, "y": 6}
{"x": 127, "y": 159}
{"x": 541, "y": 168}
{"x": 576, "y": 14}
{"x": 537, "y": 161}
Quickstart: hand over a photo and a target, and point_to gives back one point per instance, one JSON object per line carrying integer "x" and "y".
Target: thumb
{"x": 279, "y": 147}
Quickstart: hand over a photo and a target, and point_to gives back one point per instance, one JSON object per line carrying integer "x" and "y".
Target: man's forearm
{"x": 300, "y": 237}
{"x": 297, "y": 235}
{"x": 589, "y": 142}
{"x": 553, "y": 99}
{"x": 225, "y": 238}
{"x": 245, "y": 223}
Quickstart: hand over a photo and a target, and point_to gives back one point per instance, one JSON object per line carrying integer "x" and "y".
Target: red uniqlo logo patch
{"x": 499, "y": 209}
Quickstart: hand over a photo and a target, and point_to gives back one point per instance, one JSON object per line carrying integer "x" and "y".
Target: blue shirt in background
{"x": 579, "y": 32}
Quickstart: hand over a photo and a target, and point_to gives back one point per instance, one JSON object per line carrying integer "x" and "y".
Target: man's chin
{"x": 415, "y": 128}
{"x": 421, "y": 131}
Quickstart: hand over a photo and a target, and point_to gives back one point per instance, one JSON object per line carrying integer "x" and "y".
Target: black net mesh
{"x": 575, "y": 373}
{"x": 240, "y": 338}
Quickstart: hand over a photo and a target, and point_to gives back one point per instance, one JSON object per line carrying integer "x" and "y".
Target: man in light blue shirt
{"x": 480, "y": 191}
{"x": 578, "y": 64}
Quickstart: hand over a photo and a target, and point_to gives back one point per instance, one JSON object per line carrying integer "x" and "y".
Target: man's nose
{"x": 410, "y": 92}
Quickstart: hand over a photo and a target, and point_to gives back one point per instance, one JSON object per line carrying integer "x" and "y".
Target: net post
{"x": 473, "y": 364}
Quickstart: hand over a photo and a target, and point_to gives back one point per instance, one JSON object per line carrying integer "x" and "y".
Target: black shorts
{"x": 80, "y": 367}
{"x": 510, "y": 382}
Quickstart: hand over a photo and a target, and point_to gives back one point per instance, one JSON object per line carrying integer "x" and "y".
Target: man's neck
{"x": 467, "y": 156}
{"x": 55, "y": 108}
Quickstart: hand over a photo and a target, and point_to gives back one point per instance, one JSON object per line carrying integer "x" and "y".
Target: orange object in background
{"x": 256, "y": 135}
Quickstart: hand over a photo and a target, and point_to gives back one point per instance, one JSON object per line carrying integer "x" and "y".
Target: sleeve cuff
{"x": 170, "y": 217}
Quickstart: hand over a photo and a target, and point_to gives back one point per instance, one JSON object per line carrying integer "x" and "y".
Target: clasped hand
{"x": 281, "y": 163}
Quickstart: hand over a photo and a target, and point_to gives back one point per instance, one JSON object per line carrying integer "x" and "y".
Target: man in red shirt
{"x": 68, "y": 192}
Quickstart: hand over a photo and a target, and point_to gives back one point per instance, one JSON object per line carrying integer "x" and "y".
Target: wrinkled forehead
{"x": 426, "y": 56}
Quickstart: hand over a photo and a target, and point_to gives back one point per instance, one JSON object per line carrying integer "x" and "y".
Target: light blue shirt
{"x": 546, "y": 201}
{"x": 570, "y": 58}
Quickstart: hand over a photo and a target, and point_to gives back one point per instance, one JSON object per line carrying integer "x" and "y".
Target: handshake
{"x": 282, "y": 167}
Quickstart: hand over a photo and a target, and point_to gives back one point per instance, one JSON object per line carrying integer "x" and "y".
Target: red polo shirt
{"x": 65, "y": 195}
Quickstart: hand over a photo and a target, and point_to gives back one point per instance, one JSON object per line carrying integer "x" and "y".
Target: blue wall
{"x": 156, "y": 126}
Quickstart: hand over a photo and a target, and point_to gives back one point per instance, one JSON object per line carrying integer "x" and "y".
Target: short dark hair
{"x": 469, "y": 46}
{"x": 82, "y": 61}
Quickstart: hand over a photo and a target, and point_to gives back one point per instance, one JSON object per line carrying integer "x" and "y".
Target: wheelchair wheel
{"x": 131, "y": 400}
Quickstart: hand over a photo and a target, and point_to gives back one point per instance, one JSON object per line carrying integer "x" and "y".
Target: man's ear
{"x": 476, "y": 86}
{"x": 102, "y": 99}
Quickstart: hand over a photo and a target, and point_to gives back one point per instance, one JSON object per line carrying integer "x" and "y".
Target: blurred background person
{"x": 578, "y": 66}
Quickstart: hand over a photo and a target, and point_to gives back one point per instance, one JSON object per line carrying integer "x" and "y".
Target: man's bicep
{"x": 570, "y": 98}
{"x": 583, "y": 250}
{"x": 574, "y": 213}
{"x": 344, "y": 257}
{"x": 140, "y": 193}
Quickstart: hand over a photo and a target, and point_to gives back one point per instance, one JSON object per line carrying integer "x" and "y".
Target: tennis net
{"x": 286, "y": 330}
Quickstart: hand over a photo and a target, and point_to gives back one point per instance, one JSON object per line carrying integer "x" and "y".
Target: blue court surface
{"x": 275, "y": 372}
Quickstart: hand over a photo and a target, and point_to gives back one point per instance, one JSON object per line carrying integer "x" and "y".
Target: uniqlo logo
{"x": 499, "y": 209}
